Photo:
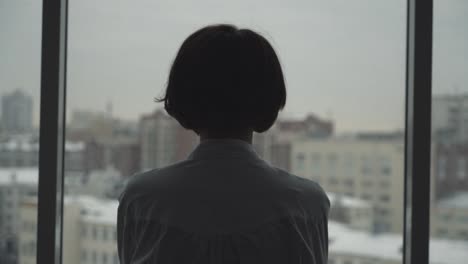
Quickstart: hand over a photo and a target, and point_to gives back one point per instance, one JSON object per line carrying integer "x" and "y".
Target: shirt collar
{"x": 223, "y": 148}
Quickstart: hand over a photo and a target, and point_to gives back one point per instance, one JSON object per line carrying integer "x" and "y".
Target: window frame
{"x": 417, "y": 133}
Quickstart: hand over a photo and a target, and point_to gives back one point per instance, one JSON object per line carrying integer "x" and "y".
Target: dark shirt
{"x": 224, "y": 204}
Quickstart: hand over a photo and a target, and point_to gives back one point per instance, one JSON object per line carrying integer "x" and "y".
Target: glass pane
{"x": 343, "y": 124}
{"x": 449, "y": 176}
{"x": 20, "y": 68}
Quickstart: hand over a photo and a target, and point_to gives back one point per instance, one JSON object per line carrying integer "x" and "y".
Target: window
{"x": 346, "y": 49}
{"x": 104, "y": 257}
{"x": 95, "y": 232}
{"x": 441, "y": 167}
{"x": 386, "y": 171}
{"x": 384, "y": 198}
{"x": 84, "y": 256}
{"x": 104, "y": 234}
{"x": 300, "y": 161}
{"x": 462, "y": 168}
{"x": 367, "y": 183}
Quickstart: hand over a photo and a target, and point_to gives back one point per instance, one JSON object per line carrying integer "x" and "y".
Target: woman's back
{"x": 222, "y": 205}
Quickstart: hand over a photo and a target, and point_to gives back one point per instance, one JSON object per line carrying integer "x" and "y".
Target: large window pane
{"x": 449, "y": 176}
{"x": 20, "y": 67}
{"x": 343, "y": 125}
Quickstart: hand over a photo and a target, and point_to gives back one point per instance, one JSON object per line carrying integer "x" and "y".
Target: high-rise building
{"x": 17, "y": 111}
{"x": 163, "y": 141}
{"x": 450, "y": 118}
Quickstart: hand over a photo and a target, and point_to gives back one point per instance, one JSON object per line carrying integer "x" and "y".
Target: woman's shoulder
{"x": 152, "y": 181}
{"x": 308, "y": 192}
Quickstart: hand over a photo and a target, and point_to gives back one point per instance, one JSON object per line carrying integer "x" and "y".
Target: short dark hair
{"x": 224, "y": 78}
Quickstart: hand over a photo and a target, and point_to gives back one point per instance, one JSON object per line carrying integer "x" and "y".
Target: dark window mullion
{"x": 418, "y": 131}
{"x": 50, "y": 194}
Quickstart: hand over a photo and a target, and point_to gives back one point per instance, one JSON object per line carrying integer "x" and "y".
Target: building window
{"x": 349, "y": 183}
{"x": 366, "y": 170}
{"x": 386, "y": 171}
{"x": 104, "y": 257}
{"x": 442, "y": 167}
{"x": 315, "y": 161}
{"x": 83, "y": 231}
{"x": 333, "y": 181}
{"x": 95, "y": 233}
{"x": 300, "y": 161}
{"x": 442, "y": 232}
{"x": 461, "y": 168}
{"x": 384, "y": 198}
{"x": 84, "y": 256}
{"x": 104, "y": 234}
{"x": 367, "y": 183}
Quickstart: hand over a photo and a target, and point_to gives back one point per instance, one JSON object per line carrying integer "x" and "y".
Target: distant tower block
{"x": 109, "y": 108}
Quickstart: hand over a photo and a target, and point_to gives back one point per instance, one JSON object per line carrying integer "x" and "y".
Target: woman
{"x": 224, "y": 204}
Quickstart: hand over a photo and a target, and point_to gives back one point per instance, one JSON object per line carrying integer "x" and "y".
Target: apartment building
{"x": 449, "y": 217}
{"x": 354, "y": 212}
{"x": 369, "y": 169}
{"x": 449, "y": 117}
{"x": 90, "y": 234}
{"x": 163, "y": 141}
{"x": 14, "y": 185}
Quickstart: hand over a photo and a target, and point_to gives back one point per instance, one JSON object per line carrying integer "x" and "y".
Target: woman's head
{"x": 225, "y": 79}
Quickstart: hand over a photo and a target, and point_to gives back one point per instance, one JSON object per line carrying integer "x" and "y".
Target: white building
{"x": 348, "y": 246}
{"x": 15, "y": 184}
{"x": 449, "y": 117}
{"x": 17, "y": 112}
{"x": 372, "y": 170}
{"x": 449, "y": 217}
{"x": 354, "y": 212}
{"x": 90, "y": 234}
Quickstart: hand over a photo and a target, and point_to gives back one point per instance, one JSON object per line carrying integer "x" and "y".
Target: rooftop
{"x": 344, "y": 240}
{"x": 19, "y": 175}
{"x": 347, "y": 201}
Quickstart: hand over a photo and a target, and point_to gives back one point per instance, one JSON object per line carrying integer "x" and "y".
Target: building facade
{"x": 371, "y": 170}
{"x": 449, "y": 118}
{"x": 17, "y": 113}
{"x": 163, "y": 141}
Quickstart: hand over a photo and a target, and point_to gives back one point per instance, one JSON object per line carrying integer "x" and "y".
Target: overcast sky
{"x": 343, "y": 59}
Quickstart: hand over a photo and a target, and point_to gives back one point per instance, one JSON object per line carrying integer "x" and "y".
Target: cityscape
{"x": 362, "y": 173}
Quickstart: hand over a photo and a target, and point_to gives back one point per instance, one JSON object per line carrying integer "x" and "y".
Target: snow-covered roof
{"x": 457, "y": 200}
{"x": 28, "y": 143}
{"x": 19, "y": 175}
{"x": 347, "y": 201}
{"x": 96, "y": 210}
{"x": 344, "y": 240}
{"x": 93, "y": 210}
